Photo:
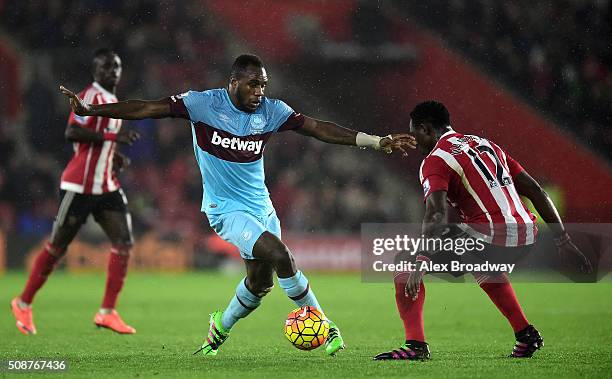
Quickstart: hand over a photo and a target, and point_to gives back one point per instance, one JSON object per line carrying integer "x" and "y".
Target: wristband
{"x": 110, "y": 136}
{"x": 365, "y": 140}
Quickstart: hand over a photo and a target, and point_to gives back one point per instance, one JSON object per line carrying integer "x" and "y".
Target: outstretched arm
{"x": 127, "y": 110}
{"x": 527, "y": 186}
{"x": 531, "y": 189}
{"x": 327, "y": 131}
{"x": 330, "y": 132}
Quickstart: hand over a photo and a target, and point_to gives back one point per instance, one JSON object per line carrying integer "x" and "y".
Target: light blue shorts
{"x": 242, "y": 229}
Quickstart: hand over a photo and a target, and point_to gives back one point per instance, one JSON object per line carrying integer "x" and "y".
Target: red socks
{"x": 117, "y": 270}
{"x": 43, "y": 266}
{"x": 502, "y": 294}
{"x": 498, "y": 288}
{"x": 411, "y": 311}
{"x": 45, "y": 263}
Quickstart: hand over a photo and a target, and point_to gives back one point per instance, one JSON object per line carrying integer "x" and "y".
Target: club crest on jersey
{"x": 257, "y": 124}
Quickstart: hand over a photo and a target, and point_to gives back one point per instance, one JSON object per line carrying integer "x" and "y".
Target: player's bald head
{"x": 245, "y": 63}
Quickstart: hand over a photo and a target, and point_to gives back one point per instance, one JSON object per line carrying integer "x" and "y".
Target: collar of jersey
{"x": 451, "y": 131}
{"x": 229, "y": 100}
{"x": 102, "y": 89}
{"x": 442, "y": 137}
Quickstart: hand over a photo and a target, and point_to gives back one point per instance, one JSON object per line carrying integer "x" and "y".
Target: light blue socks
{"x": 298, "y": 290}
{"x": 243, "y": 303}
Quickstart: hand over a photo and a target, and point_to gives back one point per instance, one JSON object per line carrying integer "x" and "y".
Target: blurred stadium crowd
{"x": 557, "y": 53}
{"x": 166, "y": 49}
{"x": 553, "y": 52}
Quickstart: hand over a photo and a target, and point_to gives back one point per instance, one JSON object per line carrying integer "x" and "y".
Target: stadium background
{"x": 535, "y": 76}
{"x": 542, "y": 90}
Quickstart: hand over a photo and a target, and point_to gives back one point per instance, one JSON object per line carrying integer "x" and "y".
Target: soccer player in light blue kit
{"x": 230, "y": 128}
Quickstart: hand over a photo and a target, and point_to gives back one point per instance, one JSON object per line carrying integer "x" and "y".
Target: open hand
{"x": 127, "y": 137}
{"x": 572, "y": 256}
{"x": 400, "y": 142}
{"x": 79, "y": 107}
{"x": 414, "y": 283}
{"x": 120, "y": 162}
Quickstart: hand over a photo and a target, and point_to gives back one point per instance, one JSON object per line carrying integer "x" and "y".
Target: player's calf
{"x": 259, "y": 287}
{"x": 528, "y": 341}
{"x": 117, "y": 270}
{"x": 245, "y": 300}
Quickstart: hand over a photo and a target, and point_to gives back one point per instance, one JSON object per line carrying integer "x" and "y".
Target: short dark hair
{"x": 243, "y": 62}
{"x": 99, "y": 54}
{"x": 433, "y": 112}
{"x": 103, "y": 52}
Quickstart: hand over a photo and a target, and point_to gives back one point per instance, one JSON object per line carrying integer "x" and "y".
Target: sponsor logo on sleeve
{"x": 225, "y": 118}
{"x": 426, "y": 187}
{"x": 81, "y": 119}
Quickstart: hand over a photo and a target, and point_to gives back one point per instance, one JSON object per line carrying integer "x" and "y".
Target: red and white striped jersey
{"x": 478, "y": 177}
{"x": 90, "y": 171}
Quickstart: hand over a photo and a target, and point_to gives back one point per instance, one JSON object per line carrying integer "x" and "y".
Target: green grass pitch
{"x": 467, "y": 335}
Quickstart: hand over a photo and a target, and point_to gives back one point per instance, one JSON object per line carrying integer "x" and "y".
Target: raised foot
{"x": 23, "y": 317}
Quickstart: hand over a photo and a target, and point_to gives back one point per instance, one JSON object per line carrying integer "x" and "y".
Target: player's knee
{"x": 282, "y": 257}
{"x": 124, "y": 248}
{"x": 57, "y": 250}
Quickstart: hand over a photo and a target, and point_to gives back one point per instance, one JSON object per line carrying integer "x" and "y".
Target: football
{"x": 306, "y": 328}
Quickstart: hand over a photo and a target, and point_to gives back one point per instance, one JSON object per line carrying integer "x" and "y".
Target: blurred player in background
{"x": 483, "y": 183}
{"x": 89, "y": 186}
{"x": 230, "y": 128}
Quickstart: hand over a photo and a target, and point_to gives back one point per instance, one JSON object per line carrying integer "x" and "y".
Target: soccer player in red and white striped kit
{"x": 483, "y": 184}
{"x": 89, "y": 186}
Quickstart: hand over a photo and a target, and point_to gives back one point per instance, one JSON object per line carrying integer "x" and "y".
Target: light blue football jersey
{"x": 229, "y": 145}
